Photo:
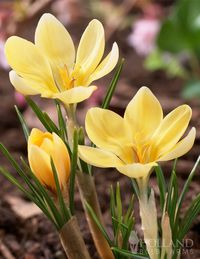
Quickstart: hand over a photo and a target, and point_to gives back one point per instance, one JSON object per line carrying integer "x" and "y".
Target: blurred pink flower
{"x": 96, "y": 98}
{"x": 3, "y": 61}
{"x": 143, "y": 36}
{"x": 20, "y": 100}
{"x": 6, "y": 13}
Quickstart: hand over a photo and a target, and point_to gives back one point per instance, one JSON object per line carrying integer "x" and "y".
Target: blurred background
{"x": 160, "y": 41}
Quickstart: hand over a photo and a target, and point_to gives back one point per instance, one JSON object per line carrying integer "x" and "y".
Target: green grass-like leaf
{"x": 189, "y": 217}
{"x": 43, "y": 117}
{"x": 186, "y": 186}
{"x": 100, "y": 226}
{"x": 128, "y": 254}
{"x": 81, "y": 141}
{"x": 73, "y": 170}
{"x": 61, "y": 122}
{"x": 46, "y": 196}
{"x": 23, "y": 123}
{"x": 161, "y": 184}
{"x": 112, "y": 86}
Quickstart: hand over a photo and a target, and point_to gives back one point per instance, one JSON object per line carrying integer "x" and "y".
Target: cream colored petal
{"x": 40, "y": 164}
{"x": 61, "y": 160}
{"x": 75, "y": 95}
{"x": 143, "y": 114}
{"x": 22, "y": 86}
{"x": 181, "y": 148}
{"x": 107, "y": 65}
{"x": 108, "y": 131}
{"x": 172, "y": 129}
{"x": 136, "y": 170}
{"x": 91, "y": 47}
{"x": 28, "y": 62}
{"x": 54, "y": 41}
{"x": 98, "y": 157}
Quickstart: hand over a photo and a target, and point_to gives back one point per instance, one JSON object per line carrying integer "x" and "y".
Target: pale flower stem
{"x": 72, "y": 241}
{"x": 88, "y": 193}
{"x": 148, "y": 214}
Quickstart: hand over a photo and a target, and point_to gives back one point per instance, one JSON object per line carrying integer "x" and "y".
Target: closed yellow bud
{"x": 42, "y": 146}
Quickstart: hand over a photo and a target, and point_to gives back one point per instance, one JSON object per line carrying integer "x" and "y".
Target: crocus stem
{"x": 88, "y": 193}
{"x": 148, "y": 214}
{"x": 72, "y": 241}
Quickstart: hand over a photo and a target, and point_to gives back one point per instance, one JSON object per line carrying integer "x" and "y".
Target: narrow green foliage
{"x": 112, "y": 86}
{"x": 172, "y": 198}
{"x": 51, "y": 124}
{"x": 34, "y": 198}
{"x": 129, "y": 213}
{"x": 122, "y": 224}
{"x": 45, "y": 195}
{"x": 64, "y": 212}
{"x": 135, "y": 187}
{"x": 15, "y": 165}
{"x": 35, "y": 192}
{"x": 189, "y": 217}
{"x": 43, "y": 117}
{"x": 128, "y": 254}
{"x": 172, "y": 203}
{"x": 62, "y": 127}
{"x": 112, "y": 209}
{"x": 118, "y": 203}
{"x": 161, "y": 184}
{"x": 61, "y": 122}
{"x": 15, "y": 182}
{"x": 96, "y": 220}
{"x": 73, "y": 170}
{"x": 23, "y": 123}
{"x": 186, "y": 185}
{"x": 81, "y": 141}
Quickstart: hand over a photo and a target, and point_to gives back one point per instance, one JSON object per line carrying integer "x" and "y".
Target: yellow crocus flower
{"x": 51, "y": 67}
{"x": 136, "y": 142}
{"x": 42, "y": 146}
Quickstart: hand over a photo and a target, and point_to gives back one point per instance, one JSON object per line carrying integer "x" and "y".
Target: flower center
{"x": 145, "y": 153}
{"x": 70, "y": 80}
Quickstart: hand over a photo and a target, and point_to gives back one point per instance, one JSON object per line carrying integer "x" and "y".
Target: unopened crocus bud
{"x": 42, "y": 146}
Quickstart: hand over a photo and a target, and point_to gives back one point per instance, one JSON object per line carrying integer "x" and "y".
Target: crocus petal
{"x": 182, "y": 147}
{"x": 108, "y": 131}
{"x": 143, "y": 114}
{"x": 28, "y": 62}
{"x": 75, "y": 95}
{"x": 91, "y": 47}
{"x": 36, "y": 137}
{"x": 21, "y": 85}
{"x": 28, "y": 87}
{"x": 61, "y": 159}
{"x": 172, "y": 129}
{"x": 55, "y": 42}
{"x": 98, "y": 157}
{"x": 136, "y": 170}
{"x": 107, "y": 65}
{"x": 40, "y": 164}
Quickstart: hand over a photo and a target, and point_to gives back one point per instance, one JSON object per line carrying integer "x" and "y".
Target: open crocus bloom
{"x": 136, "y": 142}
{"x": 50, "y": 67}
{"x": 42, "y": 146}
